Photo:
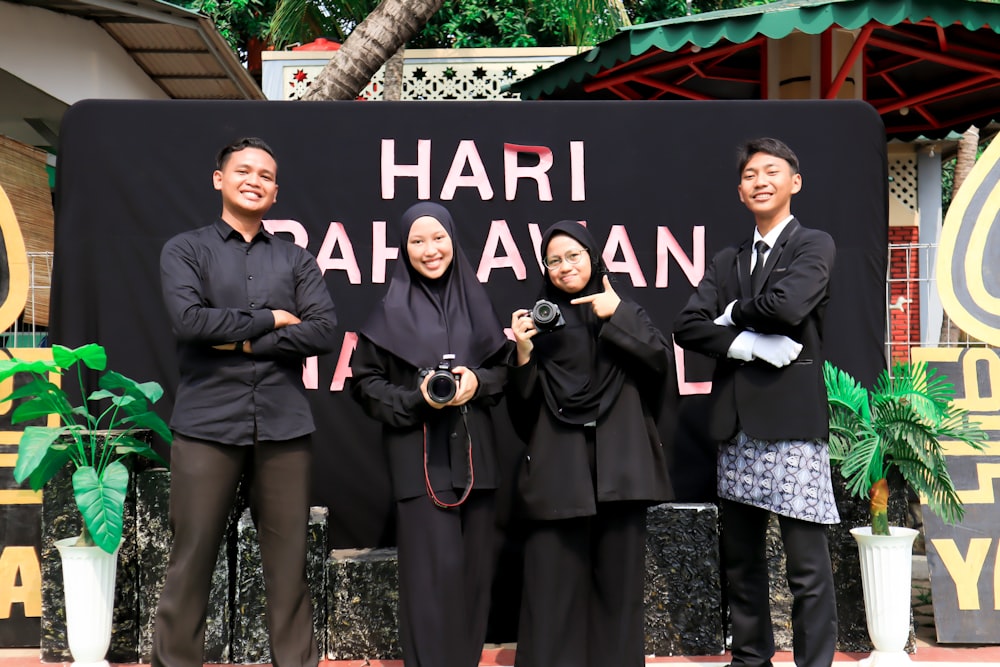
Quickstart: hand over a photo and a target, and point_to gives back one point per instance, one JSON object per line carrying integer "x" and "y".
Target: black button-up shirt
{"x": 220, "y": 289}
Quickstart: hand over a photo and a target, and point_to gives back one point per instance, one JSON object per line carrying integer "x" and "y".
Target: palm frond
{"x": 957, "y": 427}
{"x": 287, "y": 21}
{"x": 843, "y": 391}
{"x": 862, "y": 466}
{"x": 903, "y": 423}
{"x": 934, "y": 486}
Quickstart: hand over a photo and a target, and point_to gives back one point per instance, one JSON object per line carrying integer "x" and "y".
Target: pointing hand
{"x": 604, "y": 303}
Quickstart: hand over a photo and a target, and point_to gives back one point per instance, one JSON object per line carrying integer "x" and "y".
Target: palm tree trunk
{"x": 383, "y": 33}
{"x": 393, "y": 83}
{"x": 967, "y": 149}
{"x": 966, "y": 160}
{"x": 878, "y": 505}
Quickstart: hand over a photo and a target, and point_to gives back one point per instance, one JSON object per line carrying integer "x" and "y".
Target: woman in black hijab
{"x": 438, "y": 434}
{"x": 585, "y": 397}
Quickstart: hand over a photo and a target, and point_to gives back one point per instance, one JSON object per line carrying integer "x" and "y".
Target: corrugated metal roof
{"x": 937, "y": 57}
{"x": 180, "y": 50}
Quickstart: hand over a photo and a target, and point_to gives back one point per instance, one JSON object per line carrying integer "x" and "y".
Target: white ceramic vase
{"x": 89, "y": 585}
{"x": 886, "y": 564}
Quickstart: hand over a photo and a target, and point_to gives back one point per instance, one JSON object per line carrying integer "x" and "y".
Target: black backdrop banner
{"x": 654, "y": 181}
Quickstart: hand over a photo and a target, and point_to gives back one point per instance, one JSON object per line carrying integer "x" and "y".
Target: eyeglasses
{"x": 572, "y": 258}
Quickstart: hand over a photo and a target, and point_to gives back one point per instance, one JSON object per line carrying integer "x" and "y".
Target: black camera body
{"x": 547, "y": 316}
{"x": 443, "y": 384}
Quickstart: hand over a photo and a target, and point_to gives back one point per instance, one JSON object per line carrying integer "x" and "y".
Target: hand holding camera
{"x": 543, "y": 317}
{"x": 523, "y": 329}
{"x": 443, "y": 385}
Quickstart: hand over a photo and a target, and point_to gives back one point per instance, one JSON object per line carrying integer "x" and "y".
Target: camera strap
{"x": 470, "y": 477}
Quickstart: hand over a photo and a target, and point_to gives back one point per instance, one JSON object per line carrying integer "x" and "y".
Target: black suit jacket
{"x": 766, "y": 402}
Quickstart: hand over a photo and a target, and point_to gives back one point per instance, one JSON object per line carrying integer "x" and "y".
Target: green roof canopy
{"x": 948, "y": 35}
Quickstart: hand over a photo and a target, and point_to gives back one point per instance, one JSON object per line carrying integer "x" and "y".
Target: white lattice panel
{"x": 903, "y": 179}
{"x": 428, "y": 74}
{"x": 27, "y": 332}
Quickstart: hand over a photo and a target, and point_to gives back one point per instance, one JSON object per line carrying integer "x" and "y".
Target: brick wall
{"x": 904, "y": 292}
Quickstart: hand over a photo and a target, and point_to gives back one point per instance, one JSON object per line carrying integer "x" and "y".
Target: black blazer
{"x": 766, "y": 402}
{"x": 556, "y": 479}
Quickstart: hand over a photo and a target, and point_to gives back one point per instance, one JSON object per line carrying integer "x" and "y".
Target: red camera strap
{"x": 470, "y": 478}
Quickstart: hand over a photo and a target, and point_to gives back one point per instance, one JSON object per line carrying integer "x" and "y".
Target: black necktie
{"x": 757, "y": 275}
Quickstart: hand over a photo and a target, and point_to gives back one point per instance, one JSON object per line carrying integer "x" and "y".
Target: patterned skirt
{"x": 787, "y": 477}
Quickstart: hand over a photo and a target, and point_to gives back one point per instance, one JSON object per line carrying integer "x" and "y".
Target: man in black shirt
{"x": 247, "y": 308}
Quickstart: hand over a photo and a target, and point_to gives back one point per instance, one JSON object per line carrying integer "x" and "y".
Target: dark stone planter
{"x": 355, "y": 592}
{"x": 682, "y": 594}
{"x": 362, "y": 603}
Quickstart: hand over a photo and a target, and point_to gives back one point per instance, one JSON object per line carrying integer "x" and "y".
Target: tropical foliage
{"x": 903, "y": 423}
{"x": 463, "y": 24}
{"x": 238, "y": 21}
{"x": 93, "y": 436}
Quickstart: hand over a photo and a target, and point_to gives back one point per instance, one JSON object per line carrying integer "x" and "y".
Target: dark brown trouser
{"x": 203, "y": 484}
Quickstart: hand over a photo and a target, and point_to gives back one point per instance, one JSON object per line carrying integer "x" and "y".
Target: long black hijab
{"x": 420, "y": 319}
{"x": 579, "y": 379}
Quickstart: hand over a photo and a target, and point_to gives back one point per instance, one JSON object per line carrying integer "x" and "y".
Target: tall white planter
{"x": 886, "y": 564}
{"x": 89, "y": 584}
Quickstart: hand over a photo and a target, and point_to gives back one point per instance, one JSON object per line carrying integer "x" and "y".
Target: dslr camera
{"x": 443, "y": 384}
{"x": 547, "y": 316}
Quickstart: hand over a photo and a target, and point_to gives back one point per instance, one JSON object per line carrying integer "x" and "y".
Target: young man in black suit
{"x": 759, "y": 312}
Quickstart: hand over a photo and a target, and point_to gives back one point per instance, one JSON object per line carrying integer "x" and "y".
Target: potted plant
{"x": 901, "y": 424}
{"x": 93, "y": 436}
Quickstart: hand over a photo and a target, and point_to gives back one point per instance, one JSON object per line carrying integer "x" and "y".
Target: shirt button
{"x": 253, "y": 305}
{"x": 249, "y": 277}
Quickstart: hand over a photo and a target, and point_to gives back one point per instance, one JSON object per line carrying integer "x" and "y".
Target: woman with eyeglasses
{"x": 585, "y": 394}
{"x": 430, "y": 362}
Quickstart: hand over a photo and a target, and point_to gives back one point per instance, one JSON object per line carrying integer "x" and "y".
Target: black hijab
{"x": 420, "y": 319}
{"x": 579, "y": 379}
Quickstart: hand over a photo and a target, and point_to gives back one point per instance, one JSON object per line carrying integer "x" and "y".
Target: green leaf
{"x": 102, "y": 502}
{"x": 42, "y": 405}
{"x": 92, "y": 355}
{"x": 36, "y": 441}
{"x": 150, "y": 391}
{"x": 129, "y": 445}
{"x": 153, "y": 422}
{"x": 9, "y": 367}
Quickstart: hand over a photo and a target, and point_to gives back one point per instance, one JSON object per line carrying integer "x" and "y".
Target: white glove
{"x": 776, "y": 350}
{"x": 726, "y": 318}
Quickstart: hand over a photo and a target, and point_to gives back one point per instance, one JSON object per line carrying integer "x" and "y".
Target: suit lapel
{"x": 775, "y": 254}
{"x": 743, "y": 269}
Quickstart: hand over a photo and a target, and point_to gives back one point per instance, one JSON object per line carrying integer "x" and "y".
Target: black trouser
{"x": 204, "y": 478}
{"x": 810, "y": 580}
{"x": 445, "y": 559}
{"x": 582, "y": 601}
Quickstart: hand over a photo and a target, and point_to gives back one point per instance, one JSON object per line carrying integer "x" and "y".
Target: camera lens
{"x": 441, "y": 387}
{"x": 545, "y": 314}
